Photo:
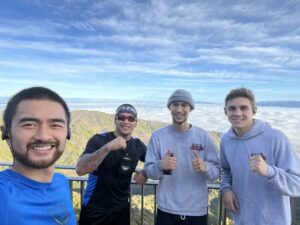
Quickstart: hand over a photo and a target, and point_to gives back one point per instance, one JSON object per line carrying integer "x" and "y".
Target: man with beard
{"x": 183, "y": 158}
{"x": 36, "y": 126}
{"x": 110, "y": 159}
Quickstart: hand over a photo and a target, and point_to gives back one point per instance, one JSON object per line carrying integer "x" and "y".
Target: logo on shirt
{"x": 197, "y": 147}
{"x": 60, "y": 214}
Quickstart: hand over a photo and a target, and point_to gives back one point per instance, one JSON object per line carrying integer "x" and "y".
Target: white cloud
{"x": 180, "y": 41}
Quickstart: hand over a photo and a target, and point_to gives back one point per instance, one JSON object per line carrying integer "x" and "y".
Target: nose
{"x": 43, "y": 133}
{"x": 178, "y": 108}
{"x": 237, "y": 112}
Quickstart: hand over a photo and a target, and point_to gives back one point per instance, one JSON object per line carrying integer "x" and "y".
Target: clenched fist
{"x": 117, "y": 143}
{"x": 259, "y": 165}
{"x": 168, "y": 162}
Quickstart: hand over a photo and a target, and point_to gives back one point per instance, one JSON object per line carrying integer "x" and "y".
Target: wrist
{"x": 161, "y": 165}
{"x": 103, "y": 150}
{"x": 107, "y": 148}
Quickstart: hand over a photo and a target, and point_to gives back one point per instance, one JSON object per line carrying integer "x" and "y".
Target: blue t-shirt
{"x": 28, "y": 202}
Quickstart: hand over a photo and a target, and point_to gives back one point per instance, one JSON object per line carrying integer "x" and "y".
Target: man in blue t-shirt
{"x": 36, "y": 126}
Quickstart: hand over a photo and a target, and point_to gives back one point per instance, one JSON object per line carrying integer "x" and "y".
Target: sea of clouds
{"x": 210, "y": 116}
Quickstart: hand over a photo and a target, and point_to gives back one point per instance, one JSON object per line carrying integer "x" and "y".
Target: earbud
{"x": 5, "y": 133}
{"x": 254, "y": 109}
{"x": 68, "y": 133}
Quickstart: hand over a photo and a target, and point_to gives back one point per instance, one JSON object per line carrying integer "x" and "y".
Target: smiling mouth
{"x": 237, "y": 120}
{"x": 43, "y": 147}
{"x": 179, "y": 117}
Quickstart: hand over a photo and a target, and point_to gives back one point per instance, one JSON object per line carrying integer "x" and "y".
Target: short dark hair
{"x": 241, "y": 92}
{"x": 32, "y": 93}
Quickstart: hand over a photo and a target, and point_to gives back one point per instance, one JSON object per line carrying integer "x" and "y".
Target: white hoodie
{"x": 262, "y": 200}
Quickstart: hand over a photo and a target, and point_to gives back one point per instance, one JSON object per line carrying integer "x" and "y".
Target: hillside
{"x": 84, "y": 124}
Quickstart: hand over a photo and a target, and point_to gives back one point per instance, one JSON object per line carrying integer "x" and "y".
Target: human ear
{"x": 254, "y": 110}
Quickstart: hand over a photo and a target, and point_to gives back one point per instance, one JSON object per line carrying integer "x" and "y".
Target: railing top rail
{"x": 85, "y": 178}
{"x": 58, "y": 166}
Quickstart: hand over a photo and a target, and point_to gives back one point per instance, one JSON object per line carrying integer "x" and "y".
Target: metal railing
{"x": 80, "y": 183}
{"x": 150, "y": 183}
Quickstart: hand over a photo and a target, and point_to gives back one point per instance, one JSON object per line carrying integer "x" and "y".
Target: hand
{"x": 116, "y": 144}
{"x": 259, "y": 165}
{"x": 168, "y": 162}
{"x": 230, "y": 201}
{"x": 198, "y": 163}
{"x": 140, "y": 177}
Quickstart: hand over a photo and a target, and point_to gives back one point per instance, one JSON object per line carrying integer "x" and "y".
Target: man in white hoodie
{"x": 260, "y": 170}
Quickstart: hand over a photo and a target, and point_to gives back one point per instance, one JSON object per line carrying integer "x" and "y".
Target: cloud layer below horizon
{"x": 211, "y": 117}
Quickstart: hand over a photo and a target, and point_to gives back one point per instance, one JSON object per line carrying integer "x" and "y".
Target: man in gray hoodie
{"x": 260, "y": 170}
{"x": 183, "y": 158}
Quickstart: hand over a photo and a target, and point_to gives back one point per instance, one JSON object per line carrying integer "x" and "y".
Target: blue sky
{"x": 144, "y": 50}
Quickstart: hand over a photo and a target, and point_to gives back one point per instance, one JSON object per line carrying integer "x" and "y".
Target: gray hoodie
{"x": 185, "y": 191}
{"x": 262, "y": 200}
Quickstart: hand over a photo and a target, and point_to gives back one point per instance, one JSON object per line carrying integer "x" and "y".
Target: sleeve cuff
{"x": 225, "y": 189}
{"x": 159, "y": 170}
{"x": 271, "y": 172}
{"x": 208, "y": 172}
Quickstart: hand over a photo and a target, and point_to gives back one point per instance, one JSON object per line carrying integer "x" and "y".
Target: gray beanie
{"x": 181, "y": 95}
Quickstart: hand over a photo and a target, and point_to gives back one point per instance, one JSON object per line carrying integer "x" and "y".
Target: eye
{"x": 244, "y": 108}
{"x": 231, "y": 108}
{"x": 57, "y": 125}
{"x": 28, "y": 125}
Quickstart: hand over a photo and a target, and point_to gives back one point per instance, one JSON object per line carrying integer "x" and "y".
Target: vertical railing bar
{"x": 155, "y": 206}
{"x": 71, "y": 188}
{"x": 142, "y": 205}
{"x": 81, "y": 191}
{"x": 130, "y": 200}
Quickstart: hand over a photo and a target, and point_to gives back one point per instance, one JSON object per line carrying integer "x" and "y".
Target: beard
{"x": 34, "y": 164}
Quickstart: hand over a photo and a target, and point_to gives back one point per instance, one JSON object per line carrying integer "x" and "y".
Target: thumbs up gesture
{"x": 198, "y": 163}
{"x": 168, "y": 162}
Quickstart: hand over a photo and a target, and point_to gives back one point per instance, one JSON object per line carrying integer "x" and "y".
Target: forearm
{"x": 288, "y": 182}
{"x": 152, "y": 170}
{"x": 89, "y": 162}
{"x": 225, "y": 181}
{"x": 213, "y": 170}
{"x": 284, "y": 172}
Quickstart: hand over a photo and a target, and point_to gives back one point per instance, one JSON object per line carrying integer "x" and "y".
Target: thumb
{"x": 196, "y": 154}
{"x": 169, "y": 153}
